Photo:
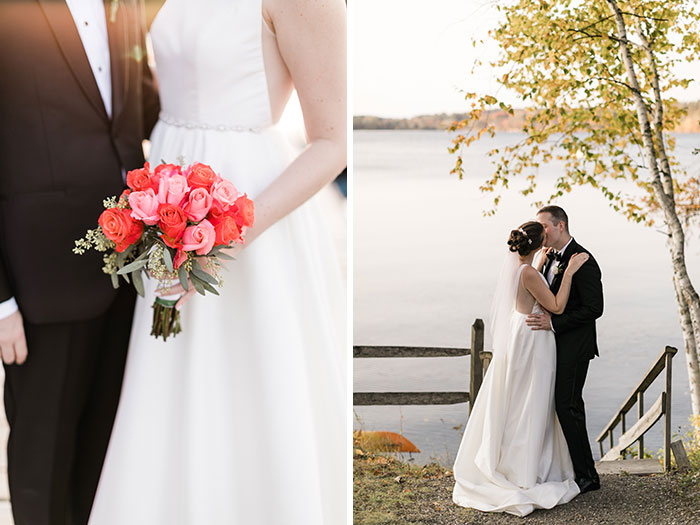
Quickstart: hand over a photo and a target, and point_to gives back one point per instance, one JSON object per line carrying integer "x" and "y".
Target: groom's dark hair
{"x": 558, "y": 214}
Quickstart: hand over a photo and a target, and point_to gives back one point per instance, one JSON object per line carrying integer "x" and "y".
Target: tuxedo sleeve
{"x": 149, "y": 90}
{"x": 5, "y": 290}
{"x": 590, "y": 288}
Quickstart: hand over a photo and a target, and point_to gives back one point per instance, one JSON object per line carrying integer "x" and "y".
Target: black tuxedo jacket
{"x": 575, "y": 329}
{"x": 60, "y": 154}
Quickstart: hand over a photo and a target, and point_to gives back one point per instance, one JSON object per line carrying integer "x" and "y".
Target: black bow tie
{"x": 554, "y": 255}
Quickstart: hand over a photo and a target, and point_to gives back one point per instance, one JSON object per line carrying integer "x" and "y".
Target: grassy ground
{"x": 391, "y": 492}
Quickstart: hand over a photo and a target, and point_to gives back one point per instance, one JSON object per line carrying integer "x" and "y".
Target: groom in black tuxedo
{"x": 575, "y": 334}
{"x": 76, "y": 101}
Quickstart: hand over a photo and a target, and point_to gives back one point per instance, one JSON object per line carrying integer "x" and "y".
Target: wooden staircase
{"x": 612, "y": 462}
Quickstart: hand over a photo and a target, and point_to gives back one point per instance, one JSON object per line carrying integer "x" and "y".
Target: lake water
{"x": 425, "y": 265}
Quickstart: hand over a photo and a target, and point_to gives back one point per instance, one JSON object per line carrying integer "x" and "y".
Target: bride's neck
{"x": 527, "y": 259}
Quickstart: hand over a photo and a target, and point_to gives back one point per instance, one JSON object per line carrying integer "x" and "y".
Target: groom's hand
{"x": 13, "y": 343}
{"x": 539, "y": 321}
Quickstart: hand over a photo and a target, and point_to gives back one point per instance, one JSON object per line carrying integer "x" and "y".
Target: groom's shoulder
{"x": 577, "y": 248}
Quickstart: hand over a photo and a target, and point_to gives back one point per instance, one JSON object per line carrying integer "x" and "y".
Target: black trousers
{"x": 568, "y": 397}
{"x": 60, "y": 405}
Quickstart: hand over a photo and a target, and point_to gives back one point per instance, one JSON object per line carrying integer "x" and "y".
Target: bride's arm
{"x": 543, "y": 295}
{"x": 534, "y": 284}
{"x": 311, "y": 36}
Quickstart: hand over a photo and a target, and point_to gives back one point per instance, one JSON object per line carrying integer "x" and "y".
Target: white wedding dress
{"x": 513, "y": 456}
{"x": 241, "y": 418}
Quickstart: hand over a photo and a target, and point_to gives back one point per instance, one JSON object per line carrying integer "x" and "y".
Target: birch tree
{"x": 595, "y": 76}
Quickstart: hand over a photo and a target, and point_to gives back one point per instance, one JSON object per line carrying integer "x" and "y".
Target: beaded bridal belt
{"x": 180, "y": 123}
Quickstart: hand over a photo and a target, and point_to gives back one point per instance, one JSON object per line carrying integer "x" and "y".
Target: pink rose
{"x": 199, "y": 238}
{"x": 173, "y": 190}
{"x": 144, "y": 206}
{"x": 198, "y": 204}
{"x": 225, "y": 192}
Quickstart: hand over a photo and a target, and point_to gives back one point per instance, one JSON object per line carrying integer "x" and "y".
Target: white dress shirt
{"x": 550, "y": 272}
{"x": 91, "y": 21}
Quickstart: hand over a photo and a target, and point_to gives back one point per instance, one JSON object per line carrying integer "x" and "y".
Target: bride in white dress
{"x": 241, "y": 418}
{"x": 513, "y": 456}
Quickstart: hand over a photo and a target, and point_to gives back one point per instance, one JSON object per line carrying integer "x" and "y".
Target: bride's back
{"x": 524, "y": 300}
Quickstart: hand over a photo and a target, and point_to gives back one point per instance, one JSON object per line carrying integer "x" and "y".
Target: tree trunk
{"x": 690, "y": 343}
{"x": 686, "y": 295}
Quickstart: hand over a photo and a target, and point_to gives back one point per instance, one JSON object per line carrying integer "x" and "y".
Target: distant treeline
{"x": 500, "y": 119}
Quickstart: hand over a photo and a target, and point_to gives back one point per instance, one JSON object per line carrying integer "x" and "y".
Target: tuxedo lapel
{"x": 117, "y": 31}
{"x": 565, "y": 256}
{"x": 63, "y": 27}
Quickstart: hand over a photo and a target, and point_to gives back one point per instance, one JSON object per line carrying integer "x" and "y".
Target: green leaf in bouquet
{"x": 136, "y": 265}
{"x": 205, "y": 285}
{"x": 121, "y": 257}
{"x": 198, "y": 284}
{"x": 126, "y": 277}
{"x": 225, "y": 256}
{"x": 209, "y": 288}
{"x": 115, "y": 280}
{"x": 138, "y": 282}
{"x": 201, "y": 274}
{"x": 144, "y": 254}
{"x": 168, "y": 259}
{"x": 182, "y": 275}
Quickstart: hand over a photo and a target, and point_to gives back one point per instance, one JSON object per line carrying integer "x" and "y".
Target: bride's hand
{"x": 577, "y": 260}
{"x": 543, "y": 258}
{"x": 178, "y": 289}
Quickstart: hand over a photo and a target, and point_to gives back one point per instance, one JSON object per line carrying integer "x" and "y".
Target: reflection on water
{"x": 425, "y": 264}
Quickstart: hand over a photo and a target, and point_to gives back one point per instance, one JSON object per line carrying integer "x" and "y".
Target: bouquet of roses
{"x": 172, "y": 224}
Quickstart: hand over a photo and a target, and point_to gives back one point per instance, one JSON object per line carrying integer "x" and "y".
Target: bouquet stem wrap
{"x": 166, "y": 318}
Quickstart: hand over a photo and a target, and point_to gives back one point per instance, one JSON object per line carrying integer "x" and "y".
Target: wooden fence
{"x": 479, "y": 363}
{"x": 645, "y": 420}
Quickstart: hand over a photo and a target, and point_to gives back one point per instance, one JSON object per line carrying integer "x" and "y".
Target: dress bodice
{"x": 209, "y": 63}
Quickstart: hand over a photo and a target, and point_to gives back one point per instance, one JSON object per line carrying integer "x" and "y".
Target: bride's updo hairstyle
{"x": 527, "y": 238}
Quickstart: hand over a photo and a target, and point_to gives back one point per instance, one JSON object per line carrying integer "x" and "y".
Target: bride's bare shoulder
{"x": 300, "y": 11}
{"x": 530, "y": 274}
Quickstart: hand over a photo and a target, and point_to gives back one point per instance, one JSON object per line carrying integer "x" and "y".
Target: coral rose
{"x": 173, "y": 222}
{"x": 244, "y": 211}
{"x": 225, "y": 192}
{"x": 200, "y": 176}
{"x": 144, "y": 206}
{"x": 199, "y": 238}
{"x": 198, "y": 204}
{"x": 118, "y": 226}
{"x": 173, "y": 190}
{"x": 167, "y": 170}
{"x": 216, "y": 212}
{"x": 227, "y": 231}
{"x": 140, "y": 179}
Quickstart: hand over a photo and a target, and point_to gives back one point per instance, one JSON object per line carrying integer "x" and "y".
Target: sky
{"x": 414, "y": 57}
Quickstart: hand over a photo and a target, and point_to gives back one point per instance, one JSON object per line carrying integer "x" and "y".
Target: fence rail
{"x": 479, "y": 363}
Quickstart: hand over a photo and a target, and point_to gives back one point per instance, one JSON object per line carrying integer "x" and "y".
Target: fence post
{"x": 640, "y": 413}
{"x": 667, "y": 413}
{"x": 476, "y": 372}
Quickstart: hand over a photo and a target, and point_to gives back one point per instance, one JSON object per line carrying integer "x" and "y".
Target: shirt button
{"x": 86, "y": 22}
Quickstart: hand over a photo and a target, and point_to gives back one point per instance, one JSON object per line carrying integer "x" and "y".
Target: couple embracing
{"x": 240, "y": 418}
{"x": 525, "y": 445}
